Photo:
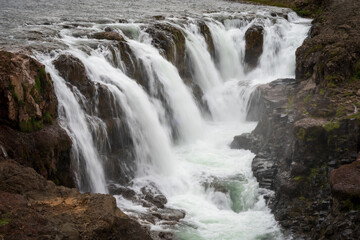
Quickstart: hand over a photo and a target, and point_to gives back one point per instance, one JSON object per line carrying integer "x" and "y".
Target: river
{"x": 178, "y": 143}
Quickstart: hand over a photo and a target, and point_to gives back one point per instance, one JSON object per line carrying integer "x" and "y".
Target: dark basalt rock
{"x": 254, "y": 45}
{"x": 295, "y": 154}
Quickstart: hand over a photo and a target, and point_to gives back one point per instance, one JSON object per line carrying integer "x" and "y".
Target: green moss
{"x": 298, "y": 178}
{"x": 302, "y": 12}
{"x": 340, "y": 111}
{"x": 40, "y": 79}
{"x": 56, "y": 181}
{"x": 313, "y": 49}
{"x": 38, "y": 85}
{"x": 290, "y": 102}
{"x": 349, "y": 205}
{"x": 355, "y": 77}
{"x": 4, "y": 221}
{"x": 300, "y": 134}
{"x": 313, "y": 173}
{"x": 330, "y": 126}
{"x": 322, "y": 92}
{"x": 13, "y": 93}
{"x": 301, "y": 198}
{"x": 31, "y": 125}
{"x": 332, "y": 78}
{"x": 48, "y": 119}
{"x": 307, "y": 98}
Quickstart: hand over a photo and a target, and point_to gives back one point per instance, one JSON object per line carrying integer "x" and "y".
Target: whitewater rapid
{"x": 197, "y": 172}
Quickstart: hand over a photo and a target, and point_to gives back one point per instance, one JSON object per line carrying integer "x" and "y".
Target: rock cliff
{"x": 307, "y": 140}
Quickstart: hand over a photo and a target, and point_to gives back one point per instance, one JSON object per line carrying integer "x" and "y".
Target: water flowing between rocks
{"x": 152, "y": 115}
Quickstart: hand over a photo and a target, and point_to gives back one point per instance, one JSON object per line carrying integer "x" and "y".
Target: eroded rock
{"x": 254, "y": 45}
{"x": 36, "y": 209}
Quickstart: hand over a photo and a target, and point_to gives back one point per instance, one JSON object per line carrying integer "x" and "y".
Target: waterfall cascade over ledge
{"x": 151, "y": 109}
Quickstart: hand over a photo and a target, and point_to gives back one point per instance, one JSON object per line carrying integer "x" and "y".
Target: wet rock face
{"x": 254, "y": 45}
{"x": 295, "y": 154}
{"x": 330, "y": 55}
{"x": 33, "y": 208}
{"x": 28, "y": 104}
{"x": 108, "y": 35}
{"x": 27, "y": 95}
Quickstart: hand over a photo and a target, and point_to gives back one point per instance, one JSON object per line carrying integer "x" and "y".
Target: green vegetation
{"x": 322, "y": 92}
{"x": 298, "y": 178}
{"x": 313, "y": 49}
{"x": 48, "y": 119}
{"x": 307, "y": 98}
{"x": 340, "y": 111}
{"x": 330, "y": 126}
{"x": 300, "y": 134}
{"x": 302, "y": 12}
{"x": 4, "y": 221}
{"x": 13, "y": 93}
{"x": 349, "y": 205}
{"x": 31, "y": 125}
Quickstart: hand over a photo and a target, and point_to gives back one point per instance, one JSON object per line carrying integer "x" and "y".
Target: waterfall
{"x": 144, "y": 123}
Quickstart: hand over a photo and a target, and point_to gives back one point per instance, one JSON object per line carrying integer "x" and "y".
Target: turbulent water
{"x": 176, "y": 142}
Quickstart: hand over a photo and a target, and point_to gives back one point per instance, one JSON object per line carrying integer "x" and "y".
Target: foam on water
{"x": 200, "y": 174}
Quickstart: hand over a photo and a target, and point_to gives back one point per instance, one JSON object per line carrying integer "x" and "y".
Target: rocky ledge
{"x": 307, "y": 141}
{"x": 33, "y": 208}
{"x": 34, "y": 148}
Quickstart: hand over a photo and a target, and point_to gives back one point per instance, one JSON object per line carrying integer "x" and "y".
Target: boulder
{"x": 29, "y": 132}
{"x": 27, "y": 97}
{"x": 345, "y": 183}
{"x": 254, "y": 45}
{"x": 107, "y": 35}
{"x": 33, "y": 208}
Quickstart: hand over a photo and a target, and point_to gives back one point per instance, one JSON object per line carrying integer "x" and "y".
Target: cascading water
{"x": 195, "y": 169}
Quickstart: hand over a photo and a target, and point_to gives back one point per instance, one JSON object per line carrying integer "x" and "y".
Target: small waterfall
{"x": 144, "y": 126}
{"x": 77, "y": 125}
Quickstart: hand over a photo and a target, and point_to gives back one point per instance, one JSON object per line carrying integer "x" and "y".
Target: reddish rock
{"x": 345, "y": 181}
{"x": 33, "y": 208}
{"x": 29, "y": 132}
{"x": 27, "y": 98}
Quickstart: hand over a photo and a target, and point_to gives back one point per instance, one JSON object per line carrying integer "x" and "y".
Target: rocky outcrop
{"x": 101, "y": 103}
{"x": 254, "y": 40}
{"x": 345, "y": 186}
{"x": 29, "y": 132}
{"x": 307, "y": 138}
{"x": 330, "y": 56}
{"x": 296, "y": 151}
{"x": 26, "y": 93}
{"x": 33, "y": 208}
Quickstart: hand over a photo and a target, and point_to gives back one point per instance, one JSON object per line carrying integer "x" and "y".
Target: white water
{"x": 202, "y": 157}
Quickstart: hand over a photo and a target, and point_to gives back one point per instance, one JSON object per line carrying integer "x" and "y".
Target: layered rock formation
{"x": 33, "y": 208}
{"x": 307, "y": 140}
{"x": 29, "y": 131}
{"x": 31, "y": 139}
